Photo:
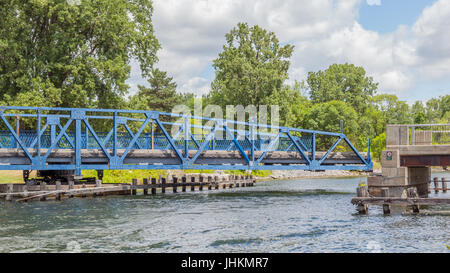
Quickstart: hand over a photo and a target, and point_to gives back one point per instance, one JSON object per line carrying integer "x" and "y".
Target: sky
{"x": 403, "y": 44}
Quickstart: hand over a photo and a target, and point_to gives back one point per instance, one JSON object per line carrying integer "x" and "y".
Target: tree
{"x": 418, "y": 113}
{"x": 393, "y": 110}
{"x": 73, "y": 54}
{"x": 293, "y": 105}
{"x": 345, "y": 82}
{"x": 327, "y": 116}
{"x": 251, "y": 67}
{"x": 160, "y": 96}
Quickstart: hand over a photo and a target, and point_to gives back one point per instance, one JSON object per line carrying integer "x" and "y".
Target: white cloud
{"x": 373, "y": 2}
{"x": 323, "y": 31}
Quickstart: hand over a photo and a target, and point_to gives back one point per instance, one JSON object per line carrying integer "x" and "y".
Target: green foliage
{"x": 345, "y": 82}
{"x": 393, "y": 110}
{"x": 259, "y": 173}
{"x": 326, "y": 116}
{"x": 53, "y": 53}
{"x": 293, "y": 105}
{"x": 377, "y": 145}
{"x": 160, "y": 96}
{"x": 251, "y": 67}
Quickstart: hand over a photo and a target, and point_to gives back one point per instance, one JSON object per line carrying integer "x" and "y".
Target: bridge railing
{"x": 429, "y": 134}
{"x": 111, "y": 130}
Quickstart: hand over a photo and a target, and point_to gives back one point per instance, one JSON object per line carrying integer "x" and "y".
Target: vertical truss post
{"x": 187, "y": 130}
{"x": 252, "y": 139}
{"x": 153, "y": 136}
{"x": 313, "y": 147}
{"x": 15, "y": 143}
{"x": 87, "y": 137}
{"x": 38, "y": 131}
{"x": 78, "y": 147}
{"x": 78, "y": 116}
{"x": 115, "y": 135}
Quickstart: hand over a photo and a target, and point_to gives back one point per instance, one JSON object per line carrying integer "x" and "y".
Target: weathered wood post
{"x": 43, "y": 187}
{"x": 209, "y": 182}
{"x": 192, "y": 183}
{"x": 163, "y": 183}
{"x": 412, "y": 193}
{"x": 361, "y": 191}
{"x": 145, "y": 182}
{"x": 9, "y": 189}
{"x": 153, "y": 179}
{"x": 133, "y": 186}
{"x": 444, "y": 184}
{"x": 436, "y": 184}
{"x": 98, "y": 184}
{"x": 386, "y": 207}
{"x": 25, "y": 190}
{"x": 216, "y": 182}
{"x": 83, "y": 186}
{"x": 71, "y": 184}
{"x": 200, "y": 188}
{"x": 58, "y": 188}
{"x": 175, "y": 183}
{"x": 183, "y": 181}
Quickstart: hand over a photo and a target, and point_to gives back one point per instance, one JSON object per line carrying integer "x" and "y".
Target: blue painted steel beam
{"x": 51, "y": 140}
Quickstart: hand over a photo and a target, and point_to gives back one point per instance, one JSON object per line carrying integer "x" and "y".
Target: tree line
{"x": 57, "y": 54}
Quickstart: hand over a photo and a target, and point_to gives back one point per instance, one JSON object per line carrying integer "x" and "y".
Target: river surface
{"x": 303, "y": 215}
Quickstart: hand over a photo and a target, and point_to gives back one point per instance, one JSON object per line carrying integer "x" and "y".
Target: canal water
{"x": 303, "y": 215}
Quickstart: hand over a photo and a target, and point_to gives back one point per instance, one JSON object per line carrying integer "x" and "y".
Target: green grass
{"x": 7, "y": 177}
{"x": 260, "y": 173}
{"x": 121, "y": 176}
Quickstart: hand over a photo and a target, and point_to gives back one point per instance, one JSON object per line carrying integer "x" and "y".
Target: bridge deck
{"x": 91, "y": 156}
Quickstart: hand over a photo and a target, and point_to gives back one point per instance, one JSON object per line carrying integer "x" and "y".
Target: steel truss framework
{"x": 52, "y": 134}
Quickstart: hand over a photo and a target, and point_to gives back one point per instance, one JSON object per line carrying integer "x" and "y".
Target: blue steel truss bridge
{"x": 64, "y": 141}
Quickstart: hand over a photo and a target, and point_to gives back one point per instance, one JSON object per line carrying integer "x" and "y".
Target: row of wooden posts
{"x": 443, "y": 188}
{"x": 363, "y": 198}
{"x": 208, "y": 181}
{"x": 43, "y": 191}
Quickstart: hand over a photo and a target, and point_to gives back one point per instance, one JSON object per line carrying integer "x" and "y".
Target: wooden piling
{"x": 83, "y": 186}
{"x": 412, "y": 193}
{"x": 362, "y": 192}
{"x": 98, "y": 184}
{"x": 436, "y": 184}
{"x": 200, "y": 188}
{"x": 183, "y": 182}
{"x": 153, "y": 179}
{"x": 216, "y": 182}
{"x": 386, "y": 207}
{"x": 58, "y": 187}
{"x": 444, "y": 184}
{"x": 145, "y": 182}
{"x": 133, "y": 186}
{"x": 209, "y": 182}
{"x": 71, "y": 183}
{"x": 192, "y": 183}
{"x": 25, "y": 190}
{"x": 43, "y": 187}
{"x": 175, "y": 183}
{"x": 9, "y": 189}
{"x": 163, "y": 183}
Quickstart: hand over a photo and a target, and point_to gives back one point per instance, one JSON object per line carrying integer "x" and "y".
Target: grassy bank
{"x": 122, "y": 176}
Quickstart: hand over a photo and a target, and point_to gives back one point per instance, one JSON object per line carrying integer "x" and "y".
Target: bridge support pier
{"x": 399, "y": 179}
